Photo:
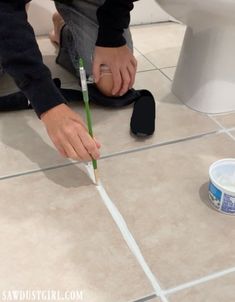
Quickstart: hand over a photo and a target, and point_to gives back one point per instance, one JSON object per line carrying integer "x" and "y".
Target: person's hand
{"x": 122, "y": 65}
{"x": 69, "y": 134}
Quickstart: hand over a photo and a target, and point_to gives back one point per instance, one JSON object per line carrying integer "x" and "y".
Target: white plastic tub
{"x": 222, "y": 185}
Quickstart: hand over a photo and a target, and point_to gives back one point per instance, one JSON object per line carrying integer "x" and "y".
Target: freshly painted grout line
{"x": 214, "y": 120}
{"x": 134, "y": 150}
{"x": 230, "y": 135}
{"x": 231, "y": 129}
{"x": 120, "y": 222}
{"x": 199, "y": 281}
{"x": 225, "y": 130}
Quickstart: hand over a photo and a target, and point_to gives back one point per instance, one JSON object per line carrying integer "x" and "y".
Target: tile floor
{"x": 157, "y": 235}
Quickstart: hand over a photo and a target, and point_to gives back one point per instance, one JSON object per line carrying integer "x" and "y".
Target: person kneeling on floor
{"x": 95, "y": 28}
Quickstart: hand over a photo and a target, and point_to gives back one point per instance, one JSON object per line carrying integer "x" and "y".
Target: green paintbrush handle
{"x": 89, "y": 124}
{"x": 88, "y": 117}
{"x": 86, "y": 101}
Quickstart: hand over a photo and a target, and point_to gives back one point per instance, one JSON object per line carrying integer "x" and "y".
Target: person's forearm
{"x": 113, "y": 17}
{"x": 22, "y": 59}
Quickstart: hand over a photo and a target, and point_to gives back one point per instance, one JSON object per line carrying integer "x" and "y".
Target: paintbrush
{"x": 85, "y": 94}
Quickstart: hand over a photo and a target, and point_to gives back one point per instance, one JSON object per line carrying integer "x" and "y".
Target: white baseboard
{"x": 148, "y": 11}
{"x": 40, "y": 16}
{"x": 145, "y": 12}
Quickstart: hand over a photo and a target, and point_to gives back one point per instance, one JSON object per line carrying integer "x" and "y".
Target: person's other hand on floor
{"x": 122, "y": 65}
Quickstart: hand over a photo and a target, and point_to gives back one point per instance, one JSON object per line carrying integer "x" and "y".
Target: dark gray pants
{"x": 80, "y": 32}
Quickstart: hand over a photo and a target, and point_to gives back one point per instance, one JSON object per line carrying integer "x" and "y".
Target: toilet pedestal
{"x": 205, "y": 75}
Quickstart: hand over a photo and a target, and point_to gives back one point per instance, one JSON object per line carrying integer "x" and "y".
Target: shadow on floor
{"x": 29, "y": 143}
{"x": 203, "y": 193}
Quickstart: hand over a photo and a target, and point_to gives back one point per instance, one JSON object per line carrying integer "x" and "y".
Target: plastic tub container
{"x": 222, "y": 185}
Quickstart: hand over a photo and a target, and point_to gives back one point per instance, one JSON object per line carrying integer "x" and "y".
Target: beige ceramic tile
{"x": 143, "y": 63}
{"x": 220, "y": 290}
{"x": 226, "y": 120}
{"x": 162, "y": 194}
{"x": 148, "y": 38}
{"x": 56, "y": 233}
{"x": 169, "y": 72}
{"x": 160, "y": 43}
{"x": 25, "y": 144}
{"x": 163, "y": 58}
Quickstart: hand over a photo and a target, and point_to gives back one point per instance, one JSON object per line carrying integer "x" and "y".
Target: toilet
{"x": 205, "y": 73}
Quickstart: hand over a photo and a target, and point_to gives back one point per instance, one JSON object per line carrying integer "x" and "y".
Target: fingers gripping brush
{"x": 87, "y": 109}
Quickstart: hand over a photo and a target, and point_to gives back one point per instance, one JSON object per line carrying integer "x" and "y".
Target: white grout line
{"x": 196, "y": 282}
{"x": 128, "y": 237}
{"x": 120, "y": 222}
{"x": 230, "y": 135}
{"x": 215, "y": 120}
{"x": 224, "y": 130}
{"x": 199, "y": 281}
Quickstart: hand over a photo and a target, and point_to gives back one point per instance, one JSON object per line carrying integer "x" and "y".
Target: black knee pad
{"x": 113, "y": 102}
{"x": 143, "y": 116}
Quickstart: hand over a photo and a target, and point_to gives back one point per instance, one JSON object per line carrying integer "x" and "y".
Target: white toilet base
{"x": 205, "y": 75}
